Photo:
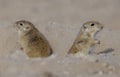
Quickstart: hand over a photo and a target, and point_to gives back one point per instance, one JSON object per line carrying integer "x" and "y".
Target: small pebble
{"x": 110, "y": 72}
{"x": 96, "y": 60}
{"x": 111, "y": 67}
{"x": 105, "y": 64}
{"x": 100, "y": 72}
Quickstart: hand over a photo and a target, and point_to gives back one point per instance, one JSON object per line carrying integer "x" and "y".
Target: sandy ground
{"x": 60, "y": 21}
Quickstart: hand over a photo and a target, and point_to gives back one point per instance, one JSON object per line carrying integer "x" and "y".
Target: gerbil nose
{"x": 102, "y": 27}
{"x": 15, "y": 24}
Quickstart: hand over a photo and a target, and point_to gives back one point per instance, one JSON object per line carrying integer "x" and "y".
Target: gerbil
{"x": 86, "y": 38}
{"x": 32, "y": 41}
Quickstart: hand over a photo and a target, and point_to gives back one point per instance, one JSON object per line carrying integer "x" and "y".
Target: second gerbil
{"x": 86, "y": 38}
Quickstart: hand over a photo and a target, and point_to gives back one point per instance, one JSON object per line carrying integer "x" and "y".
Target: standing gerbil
{"x": 86, "y": 37}
{"x": 32, "y": 41}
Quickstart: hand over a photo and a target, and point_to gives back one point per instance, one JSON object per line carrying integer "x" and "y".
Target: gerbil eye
{"x": 92, "y": 24}
{"x": 21, "y": 24}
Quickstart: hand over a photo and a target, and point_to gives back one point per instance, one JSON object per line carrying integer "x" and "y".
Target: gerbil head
{"x": 24, "y": 26}
{"x": 92, "y": 27}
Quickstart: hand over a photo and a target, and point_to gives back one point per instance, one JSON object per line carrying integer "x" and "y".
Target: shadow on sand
{"x": 109, "y": 50}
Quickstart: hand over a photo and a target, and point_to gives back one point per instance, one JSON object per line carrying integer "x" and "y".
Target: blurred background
{"x": 62, "y": 11}
{"x": 59, "y": 21}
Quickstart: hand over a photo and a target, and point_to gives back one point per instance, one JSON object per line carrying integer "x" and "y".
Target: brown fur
{"x": 32, "y": 41}
{"x": 86, "y": 38}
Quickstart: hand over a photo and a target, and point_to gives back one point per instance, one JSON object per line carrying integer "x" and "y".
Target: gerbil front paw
{"x": 97, "y": 41}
